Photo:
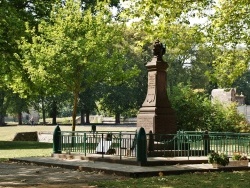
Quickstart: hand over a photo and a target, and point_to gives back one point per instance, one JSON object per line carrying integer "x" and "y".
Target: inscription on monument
{"x": 151, "y": 88}
{"x": 151, "y": 80}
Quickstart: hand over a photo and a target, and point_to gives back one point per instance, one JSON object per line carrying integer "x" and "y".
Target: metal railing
{"x": 201, "y": 144}
{"x": 111, "y": 143}
{"x": 164, "y": 145}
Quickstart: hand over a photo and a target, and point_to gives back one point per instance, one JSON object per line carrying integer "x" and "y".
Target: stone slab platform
{"x": 123, "y": 169}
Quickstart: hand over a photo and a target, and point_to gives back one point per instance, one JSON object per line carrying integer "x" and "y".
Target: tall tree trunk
{"x": 117, "y": 118}
{"x": 54, "y": 112}
{"x": 2, "y": 122}
{"x": 20, "y": 118}
{"x": 87, "y": 117}
{"x": 76, "y": 95}
{"x": 43, "y": 111}
{"x": 2, "y": 108}
{"x": 82, "y": 117}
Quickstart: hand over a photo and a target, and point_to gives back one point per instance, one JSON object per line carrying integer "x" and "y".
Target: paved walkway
{"x": 129, "y": 170}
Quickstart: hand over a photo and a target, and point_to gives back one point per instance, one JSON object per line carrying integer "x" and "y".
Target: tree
{"x": 18, "y": 105}
{"x": 92, "y": 3}
{"x": 125, "y": 96}
{"x": 87, "y": 102}
{"x": 73, "y": 50}
{"x": 8, "y": 34}
{"x": 225, "y": 33}
{"x": 189, "y": 59}
{"x": 13, "y": 15}
{"x": 169, "y": 21}
{"x": 229, "y": 36}
{"x": 158, "y": 19}
{"x": 242, "y": 85}
{"x": 122, "y": 99}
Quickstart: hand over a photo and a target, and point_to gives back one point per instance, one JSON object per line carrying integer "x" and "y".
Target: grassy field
{"x": 238, "y": 179}
{"x": 10, "y": 149}
{"x": 7, "y": 133}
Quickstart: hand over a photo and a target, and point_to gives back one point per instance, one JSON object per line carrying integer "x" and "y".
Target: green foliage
{"x": 11, "y": 28}
{"x": 92, "y": 3}
{"x": 221, "y": 159}
{"x": 78, "y": 44}
{"x": 74, "y": 50}
{"x": 239, "y": 156}
{"x": 124, "y": 96}
{"x": 13, "y": 16}
{"x": 236, "y": 157}
{"x": 157, "y": 18}
{"x": 220, "y": 46}
{"x": 229, "y": 36}
{"x": 242, "y": 85}
{"x": 120, "y": 99}
{"x": 17, "y": 105}
{"x": 88, "y": 98}
{"x": 185, "y": 57}
{"x": 189, "y": 107}
{"x": 228, "y": 66}
{"x": 195, "y": 111}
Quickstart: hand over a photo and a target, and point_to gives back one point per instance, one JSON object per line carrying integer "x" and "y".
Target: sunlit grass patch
{"x": 14, "y": 149}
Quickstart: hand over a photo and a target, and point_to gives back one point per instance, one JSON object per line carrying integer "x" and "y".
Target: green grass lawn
{"x": 11, "y": 149}
{"x": 237, "y": 179}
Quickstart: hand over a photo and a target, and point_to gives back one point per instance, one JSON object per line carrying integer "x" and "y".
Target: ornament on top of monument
{"x": 159, "y": 50}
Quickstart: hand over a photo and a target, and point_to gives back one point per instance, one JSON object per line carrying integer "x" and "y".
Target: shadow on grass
{"x": 24, "y": 145}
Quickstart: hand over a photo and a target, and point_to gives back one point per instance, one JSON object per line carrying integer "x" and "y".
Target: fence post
{"x": 141, "y": 154}
{"x": 84, "y": 144}
{"x": 93, "y": 128}
{"x": 57, "y": 140}
{"x": 120, "y": 145}
{"x": 102, "y": 145}
{"x": 206, "y": 143}
{"x": 151, "y": 142}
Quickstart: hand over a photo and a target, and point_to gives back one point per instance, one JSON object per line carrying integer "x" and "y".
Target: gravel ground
{"x": 32, "y": 176}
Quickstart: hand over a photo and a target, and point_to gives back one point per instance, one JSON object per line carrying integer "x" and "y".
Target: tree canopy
{"x": 229, "y": 37}
{"x": 74, "y": 49}
{"x": 13, "y": 15}
{"x": 224, "y": 33}
{"x": 79, "y": 46}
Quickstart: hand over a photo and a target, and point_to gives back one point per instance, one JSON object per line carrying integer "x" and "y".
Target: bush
{"x": 195, "y": 111}
{"x": 221, "y": 159}
{"x": 239, "y": 157}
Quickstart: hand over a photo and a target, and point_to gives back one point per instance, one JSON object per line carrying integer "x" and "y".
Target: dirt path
{"x": 33, "y": 176}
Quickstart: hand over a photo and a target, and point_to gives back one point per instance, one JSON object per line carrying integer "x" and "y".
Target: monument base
{"x": 166, "y": 122}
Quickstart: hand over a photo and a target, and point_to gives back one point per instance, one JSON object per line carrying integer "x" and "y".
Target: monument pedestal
{"x": 156, "y": 122}
{"x": 156, "y": 114}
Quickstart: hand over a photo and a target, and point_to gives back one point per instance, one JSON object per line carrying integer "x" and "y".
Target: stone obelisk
{"x": 156, "y": 114}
